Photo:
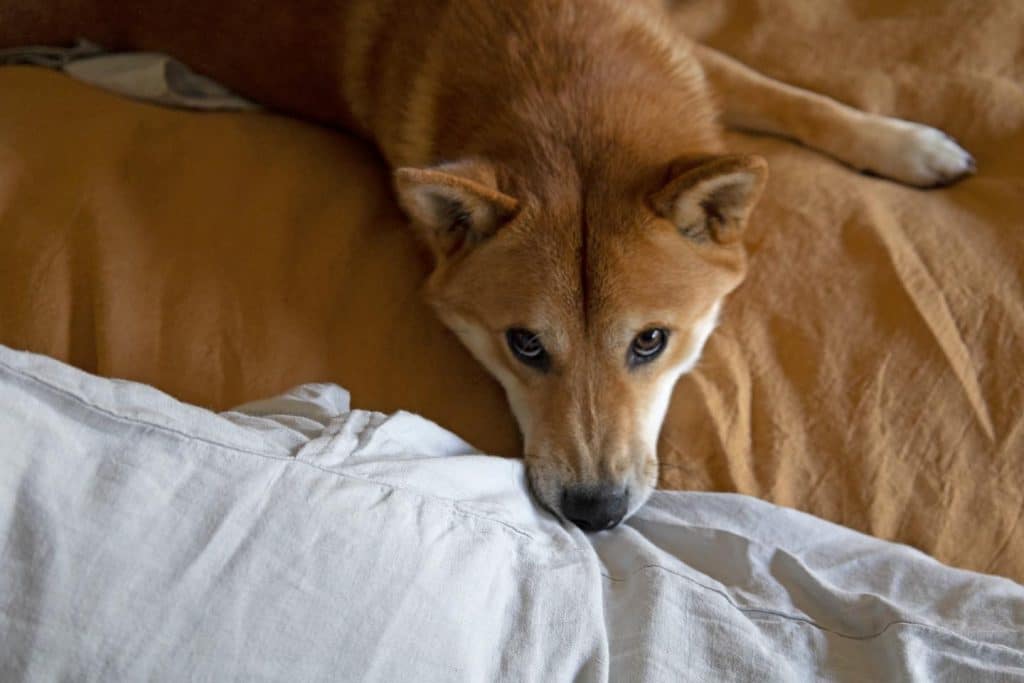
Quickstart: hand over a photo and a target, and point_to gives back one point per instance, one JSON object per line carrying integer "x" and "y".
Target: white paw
{"x": 914, "y": 154}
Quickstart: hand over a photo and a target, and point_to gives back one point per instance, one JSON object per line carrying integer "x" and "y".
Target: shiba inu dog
{"x": 563, "y": 162}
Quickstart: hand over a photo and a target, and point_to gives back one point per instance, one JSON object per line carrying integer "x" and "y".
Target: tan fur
{"x": 563, "y": 162}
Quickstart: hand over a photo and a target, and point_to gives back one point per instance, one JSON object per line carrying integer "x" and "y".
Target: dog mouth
{"x": 595, "y": 508}
{"x": 592, "y": 506}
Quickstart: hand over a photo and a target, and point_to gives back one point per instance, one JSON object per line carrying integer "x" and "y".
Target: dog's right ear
{"x": 455, "y": 206}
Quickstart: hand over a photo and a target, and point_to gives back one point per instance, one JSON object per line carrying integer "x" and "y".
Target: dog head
{"x": 586, "y": 305}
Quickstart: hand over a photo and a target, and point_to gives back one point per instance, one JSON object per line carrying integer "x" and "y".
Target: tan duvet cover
{"x": 870, "y": 371}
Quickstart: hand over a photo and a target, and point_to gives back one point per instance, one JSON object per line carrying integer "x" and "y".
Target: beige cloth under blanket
{"x": 869, "y": 371}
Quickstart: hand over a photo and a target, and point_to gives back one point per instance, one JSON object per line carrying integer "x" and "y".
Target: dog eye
{"x": 526, "y": 347}
{"x": 647, "y": 346}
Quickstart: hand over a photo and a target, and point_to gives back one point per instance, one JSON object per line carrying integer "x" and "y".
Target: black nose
{"x": 595, "y": 508}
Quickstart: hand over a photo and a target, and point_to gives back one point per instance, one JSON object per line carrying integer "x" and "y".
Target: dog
{"x": 563, "y": 162}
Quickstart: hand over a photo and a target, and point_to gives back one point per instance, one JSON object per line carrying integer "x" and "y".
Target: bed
{"x": 868, "y": 372}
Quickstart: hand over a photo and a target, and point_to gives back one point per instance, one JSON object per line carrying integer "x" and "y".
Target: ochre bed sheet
{"x": 869, "y": 371}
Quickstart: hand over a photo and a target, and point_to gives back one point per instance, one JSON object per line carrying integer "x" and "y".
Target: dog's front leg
{"x": 911, "y": 153}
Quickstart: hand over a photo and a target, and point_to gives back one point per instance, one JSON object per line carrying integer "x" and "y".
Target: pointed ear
{"x": 455, "y": 206}
{"x": 711, "y": 199}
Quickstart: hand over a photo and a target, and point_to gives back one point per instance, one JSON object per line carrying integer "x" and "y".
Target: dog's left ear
{"x": 711, "y": 199}
{"x": 454, "y": 206}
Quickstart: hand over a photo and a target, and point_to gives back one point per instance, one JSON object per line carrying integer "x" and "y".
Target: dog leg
{"x": 911, "y": 153}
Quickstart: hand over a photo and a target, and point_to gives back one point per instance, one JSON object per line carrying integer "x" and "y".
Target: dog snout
{"x": 595, "y": 508}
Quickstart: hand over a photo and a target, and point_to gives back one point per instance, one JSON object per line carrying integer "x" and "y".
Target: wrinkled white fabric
{"x": 148, "y": 76}
{"x": 296, "y": 539}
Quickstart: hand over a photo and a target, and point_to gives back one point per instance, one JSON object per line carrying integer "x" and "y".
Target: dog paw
{"x": 915, "y": 154}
